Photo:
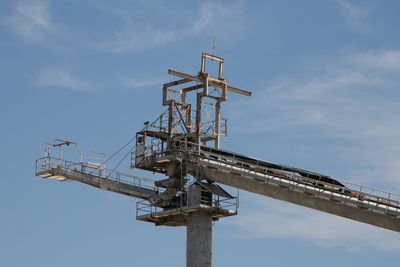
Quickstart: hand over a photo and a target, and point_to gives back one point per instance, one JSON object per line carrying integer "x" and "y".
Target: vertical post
{"x": 199, "y": 233}
{"x": 198, "y": 118}
{"x": 220, "y": 69}
{"x": 170, "y": 118}
{"x": 189, "y": 118}
{"x": 217, "y": 123}
{"x": 203, "y": 63}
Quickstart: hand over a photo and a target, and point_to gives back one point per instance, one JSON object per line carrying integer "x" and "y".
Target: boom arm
{"x": 97, "y": 176}
{"x": 297, "y": 186}
{"x": 301, "y": 187}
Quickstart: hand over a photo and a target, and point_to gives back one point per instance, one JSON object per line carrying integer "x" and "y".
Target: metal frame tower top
{"x": 214, "y": 89}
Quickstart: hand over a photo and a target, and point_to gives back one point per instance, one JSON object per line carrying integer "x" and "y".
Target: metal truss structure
{"x": 177, "y": 144}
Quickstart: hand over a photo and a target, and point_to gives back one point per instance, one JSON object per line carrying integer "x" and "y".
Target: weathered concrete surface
{"x": 199, "y": 234}
{"x": 343, "y": 209}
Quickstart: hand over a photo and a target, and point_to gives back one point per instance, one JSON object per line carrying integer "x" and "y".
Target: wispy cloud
{"x": 383, "y": 60}
{"x": 353, "y": 105}
{"x": 343, "y": 113}
{"x": 355, "y": 14}
{"x": 61, "y": 78}
{"x": 270, "y": 219}
{"x": 138, "y": 36}
{"x": 135, "y": 82}
{"x": 32, "y": 20}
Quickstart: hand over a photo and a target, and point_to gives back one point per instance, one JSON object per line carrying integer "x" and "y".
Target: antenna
{"x": 213, "y": 45}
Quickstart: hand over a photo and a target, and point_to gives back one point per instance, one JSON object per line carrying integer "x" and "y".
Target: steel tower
{"x": 183, "y": 143}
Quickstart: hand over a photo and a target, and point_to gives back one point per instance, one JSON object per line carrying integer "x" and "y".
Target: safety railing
{"x": 309, "y": 182}
{"x": 159, "y": 124}
{"x": 207, "y": 199}
{"x": 146, "y": 208}
{"x": 185, "y": 204}
{"x": 100, "y": 171}
{"x": 348, "y": 191}
{"x": 180, "y": 123}
{"x": 364, "y": 196}
{"x": 208, "y": 128}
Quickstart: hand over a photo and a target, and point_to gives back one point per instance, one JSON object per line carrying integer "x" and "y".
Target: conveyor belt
{"x": 297, "y": 186}
{"x": 267, "y": 164}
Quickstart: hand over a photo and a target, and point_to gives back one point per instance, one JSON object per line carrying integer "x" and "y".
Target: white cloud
{"x": 137, "y": 83}
{"x": 355, "y": 15}
{"x": 32, "y": 20}
{"x": 353, "y": 105}
{"x": 271, "y": 219}
{"x": 139, "y": 36}
{"x": 61, "y": 78}
{"x": 385, "y": 60}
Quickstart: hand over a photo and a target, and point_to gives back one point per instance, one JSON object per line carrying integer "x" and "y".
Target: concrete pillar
{"x": 199, "y": 233}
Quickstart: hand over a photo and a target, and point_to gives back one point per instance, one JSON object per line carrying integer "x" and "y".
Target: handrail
{"x": 144, "y": 207}
{"x": 46, "y": 163}
{"x": 363, "y": 194}
{"x": 313, "y": 180}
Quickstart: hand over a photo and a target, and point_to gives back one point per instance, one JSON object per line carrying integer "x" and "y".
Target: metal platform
{"x": 178, "y": 216}
{"x": 198, "y": 199}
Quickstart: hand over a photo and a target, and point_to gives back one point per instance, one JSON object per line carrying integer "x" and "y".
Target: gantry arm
{"x": 297, "y": 186}
{"x": 97, "y": 176}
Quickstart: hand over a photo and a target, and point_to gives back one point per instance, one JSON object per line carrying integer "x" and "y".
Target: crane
{"x": 183, "y": 143}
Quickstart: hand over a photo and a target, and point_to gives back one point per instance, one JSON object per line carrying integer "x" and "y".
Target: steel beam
{"x": 213, "y": 82}
{"x": 258, "y": 184}
{"x": 103, "y": 183}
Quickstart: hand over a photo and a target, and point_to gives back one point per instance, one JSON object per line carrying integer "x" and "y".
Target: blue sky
{"x": 325, "y": 77}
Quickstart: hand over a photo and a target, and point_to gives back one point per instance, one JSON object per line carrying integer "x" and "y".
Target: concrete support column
{"x": 199, "y": 233}
{"x": 199, "y": 236}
